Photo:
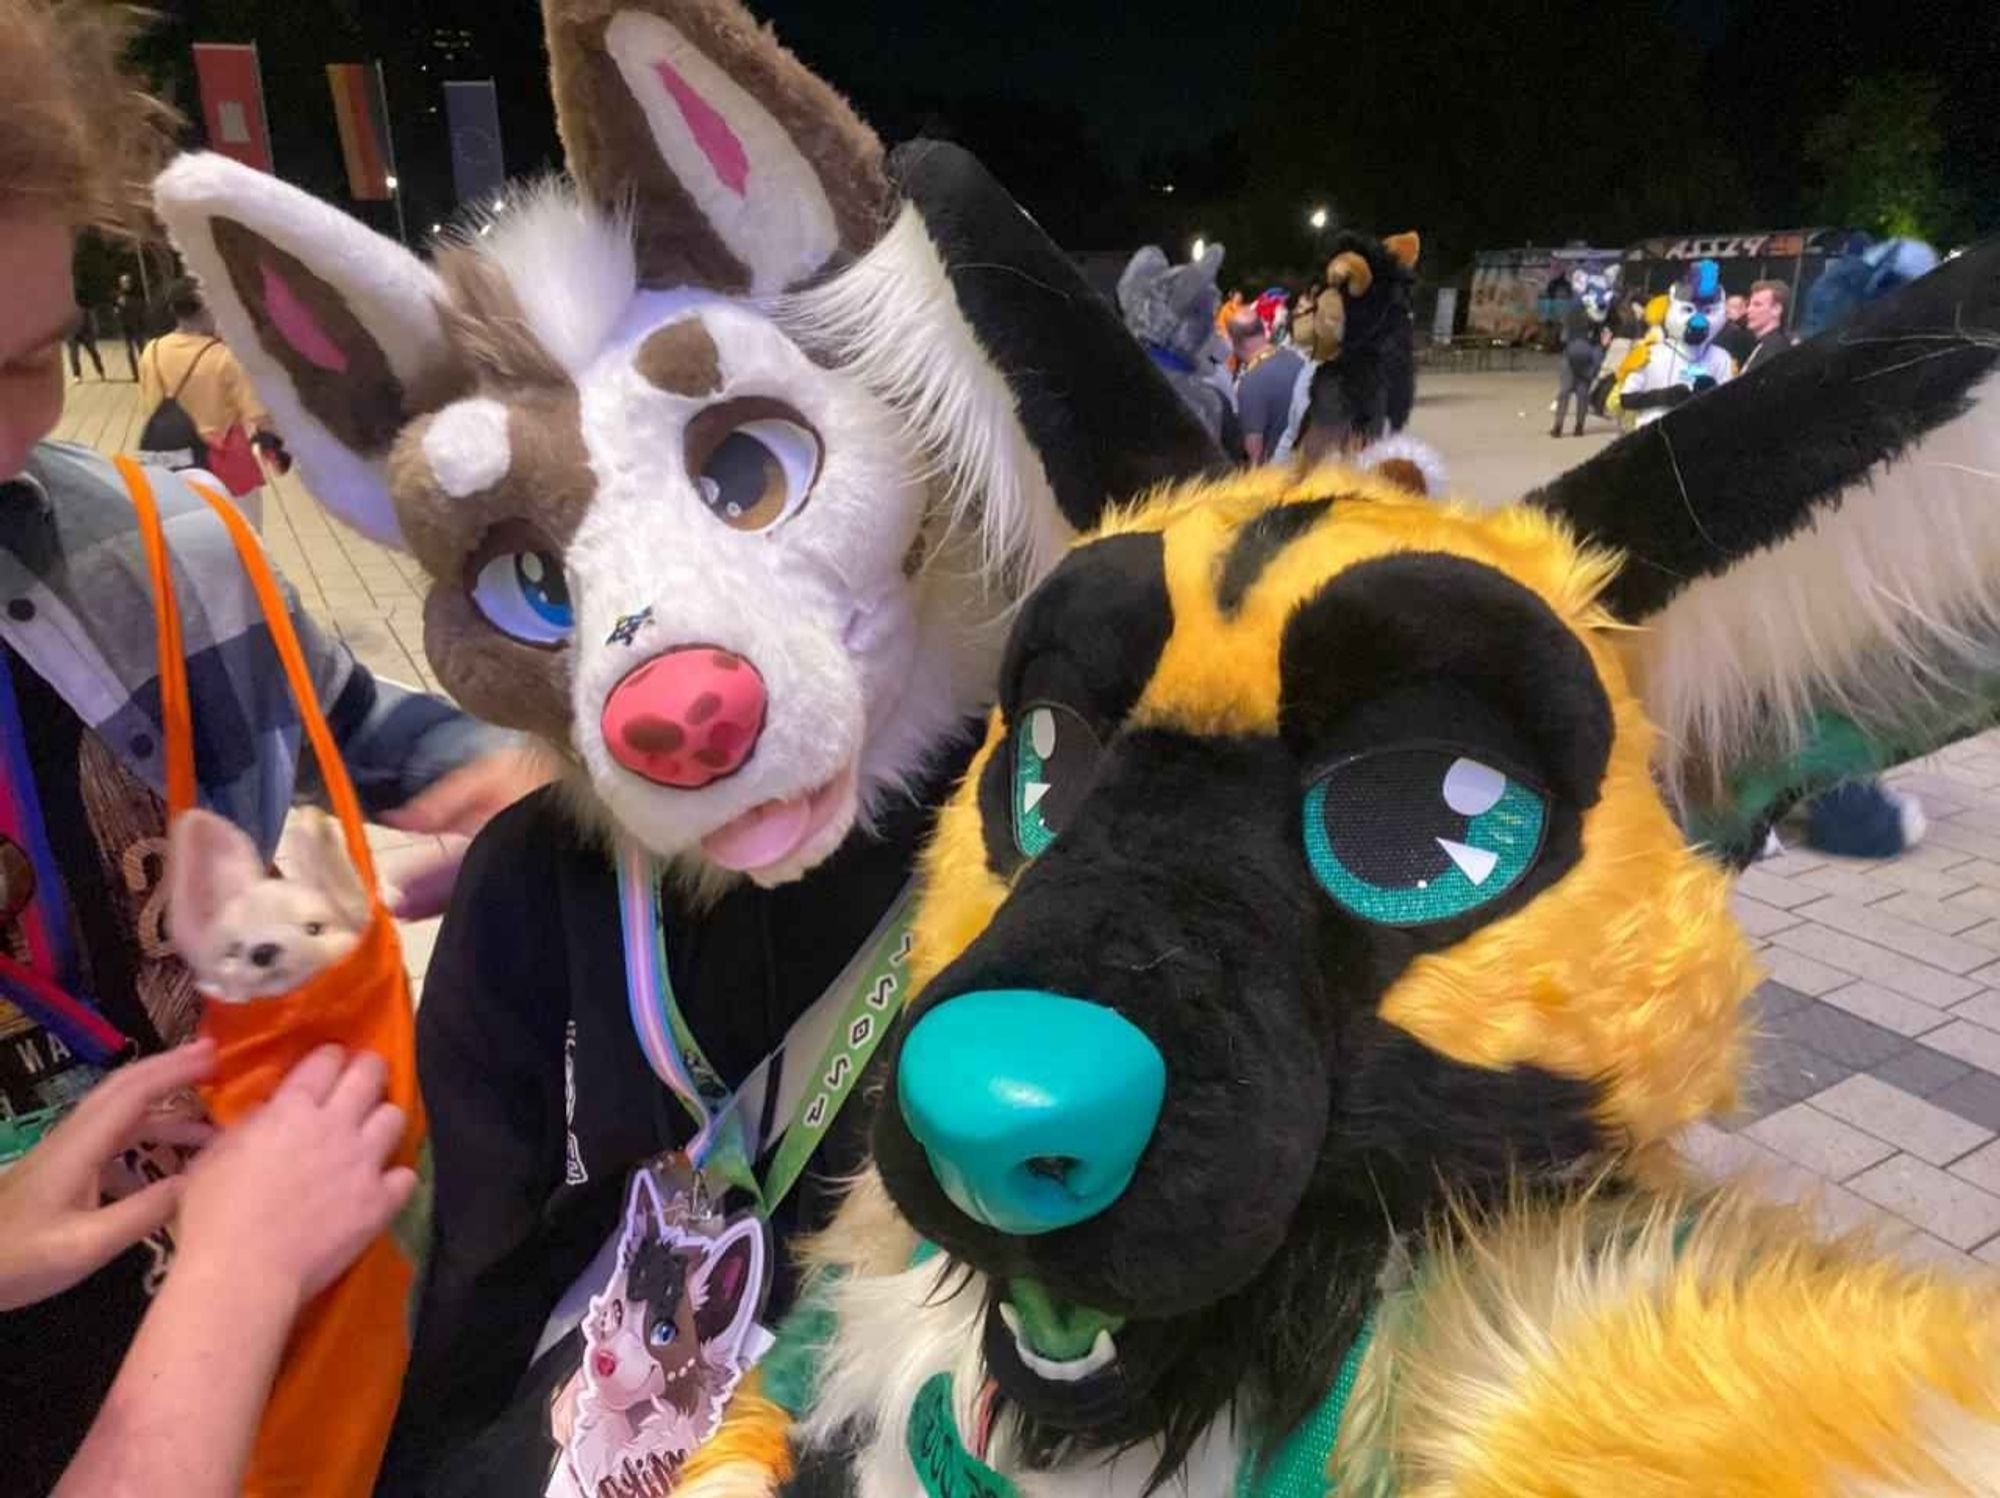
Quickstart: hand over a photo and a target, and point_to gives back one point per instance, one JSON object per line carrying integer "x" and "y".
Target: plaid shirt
{"x": 76, "y": 604}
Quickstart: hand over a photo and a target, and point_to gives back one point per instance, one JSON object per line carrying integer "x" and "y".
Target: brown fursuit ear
{"x": 743, "y": 171}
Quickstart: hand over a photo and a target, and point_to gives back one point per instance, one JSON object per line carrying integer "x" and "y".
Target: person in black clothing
{"x": 130, "y": 312}
{"x": 83, "y": 340}
{"x": 1734, "y": 338}
{"x": 1584, "y": 340}
{"x": 1765, "y": 318}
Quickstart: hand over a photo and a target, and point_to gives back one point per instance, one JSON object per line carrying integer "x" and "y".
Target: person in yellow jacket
{"x": 196, "y": 368}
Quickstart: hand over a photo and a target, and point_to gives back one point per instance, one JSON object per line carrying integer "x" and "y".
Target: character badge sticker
{"x": 665, "y": 1342}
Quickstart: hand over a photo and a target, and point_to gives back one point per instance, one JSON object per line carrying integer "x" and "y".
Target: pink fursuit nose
{"x": 687, "y": 717}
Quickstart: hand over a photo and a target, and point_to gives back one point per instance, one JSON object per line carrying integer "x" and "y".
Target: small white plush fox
{"x": 245, "y": 933}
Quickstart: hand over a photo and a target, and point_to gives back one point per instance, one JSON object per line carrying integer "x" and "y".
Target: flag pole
{"x": 389, "y": 141}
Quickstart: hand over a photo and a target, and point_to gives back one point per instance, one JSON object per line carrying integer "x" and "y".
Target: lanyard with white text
{"x": 840, "y": 1031}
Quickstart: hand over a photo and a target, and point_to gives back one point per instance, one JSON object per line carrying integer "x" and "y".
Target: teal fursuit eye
{"x": 1055, "y": 760}
{"x": 1415, "y": 834}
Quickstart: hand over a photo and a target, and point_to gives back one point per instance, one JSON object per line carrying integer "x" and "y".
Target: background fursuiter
{"x": 727, "y": 462}
{"x": 1460, "y": 1120}
{"x": 1364, "y": 342}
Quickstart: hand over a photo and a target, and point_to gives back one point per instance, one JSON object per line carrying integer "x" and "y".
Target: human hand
{"x": 288, "y": 1197}
{"x": 454, "y": 806}
{"x": 54, "y": 1228}
{"x": 464, "y": 800}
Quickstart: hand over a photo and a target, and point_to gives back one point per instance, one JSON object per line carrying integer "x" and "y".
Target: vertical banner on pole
{"x": 361, "y": 111}
{"x": 232, "y": 101}
{"x": 478, "y": 170}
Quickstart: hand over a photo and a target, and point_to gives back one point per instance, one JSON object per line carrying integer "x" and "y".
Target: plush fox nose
{"x": 1033, "y": 1108}
{"x": 264, "y": 954}
{"x": 686, "y": 717}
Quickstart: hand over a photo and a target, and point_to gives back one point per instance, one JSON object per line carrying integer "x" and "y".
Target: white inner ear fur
{"x": 780, "y": 224}
{"x": 466, "y": 446}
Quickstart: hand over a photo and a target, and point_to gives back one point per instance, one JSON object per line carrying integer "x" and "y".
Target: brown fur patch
{"x": 364, "y": 405}
{"x": 681, "y": 359}
{"x": 546, "y": 490}
{"x": 1405, "y": 247}
{"x": 611, "y": 151}
{"x": 491, "y": 676}
{"x": 548, "y": 484}
{"x": 483, "y": 319}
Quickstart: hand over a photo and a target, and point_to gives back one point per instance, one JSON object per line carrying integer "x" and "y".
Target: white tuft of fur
{"x": 465, "y": 445}
{"x": 1885, "y": 607}
{"x": 571, "y": 265}
{"x": 896, "y": 1333}
{"x": 1420, "y": 455}
{"x": 894, "y": 321}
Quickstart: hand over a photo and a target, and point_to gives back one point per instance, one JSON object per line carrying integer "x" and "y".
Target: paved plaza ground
{"x": 1876, "y": 1078}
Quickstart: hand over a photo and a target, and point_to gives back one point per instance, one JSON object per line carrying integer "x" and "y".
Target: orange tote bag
{"x": 328, "y": 1419}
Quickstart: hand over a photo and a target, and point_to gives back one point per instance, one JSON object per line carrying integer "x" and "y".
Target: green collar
{"x": 1299, "y": 1468}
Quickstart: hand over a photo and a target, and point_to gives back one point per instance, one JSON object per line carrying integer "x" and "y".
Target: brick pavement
{"x": 1875, "y": 1076}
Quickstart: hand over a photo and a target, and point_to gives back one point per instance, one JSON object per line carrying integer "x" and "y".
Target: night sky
{"x": 1480, "y": 125}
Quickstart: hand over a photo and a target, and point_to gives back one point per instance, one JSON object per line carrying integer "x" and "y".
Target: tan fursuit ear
{"x": 337, "y": 327}
{"x": 1405, "y": 247}
{"x": 744, "y": 171}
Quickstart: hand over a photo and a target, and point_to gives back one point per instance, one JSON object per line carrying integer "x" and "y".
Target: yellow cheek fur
{"x": 960, "y": 893}
{"x": 1629, "y": 971}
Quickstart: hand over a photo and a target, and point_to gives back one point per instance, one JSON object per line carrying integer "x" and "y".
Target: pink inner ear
{"x": 710, "y": 130}
{"x": 300, "y": 328}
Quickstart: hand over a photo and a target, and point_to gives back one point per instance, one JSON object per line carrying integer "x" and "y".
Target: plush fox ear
{"x": 316, "y": 851}
{"x": 1813, "y": 553}
{"x": 210, "y": 861}
{"x": 1405, "y": 247}
{"x": 336, "y": 326}
{"x": 744, "y": 171}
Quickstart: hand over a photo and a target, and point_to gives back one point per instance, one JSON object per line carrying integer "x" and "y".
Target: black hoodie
{"x": 524, "y": 1010}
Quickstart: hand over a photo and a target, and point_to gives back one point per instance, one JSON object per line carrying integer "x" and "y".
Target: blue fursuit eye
{"x": 525, "y": 596}
{"x": 1415, "y": 834}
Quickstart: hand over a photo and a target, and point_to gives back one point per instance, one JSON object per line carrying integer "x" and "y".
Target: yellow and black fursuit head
{"x": 1314, "y": 969}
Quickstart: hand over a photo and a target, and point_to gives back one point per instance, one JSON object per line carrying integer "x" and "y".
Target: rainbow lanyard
{"x": 841, "y": 1030}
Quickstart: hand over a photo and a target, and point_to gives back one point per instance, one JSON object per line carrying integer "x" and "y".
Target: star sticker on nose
{"x": 626, "y": 630}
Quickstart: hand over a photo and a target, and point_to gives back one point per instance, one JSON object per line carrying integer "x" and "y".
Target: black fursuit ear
{"x": 1814, "y": 552}
{"x": 1104, "y": 420}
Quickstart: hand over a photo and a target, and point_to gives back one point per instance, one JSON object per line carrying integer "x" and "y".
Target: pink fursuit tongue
{"x": 762, "y": 835}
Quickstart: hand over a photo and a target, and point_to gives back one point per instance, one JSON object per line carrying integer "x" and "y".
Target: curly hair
{"x": 80, "y": 134}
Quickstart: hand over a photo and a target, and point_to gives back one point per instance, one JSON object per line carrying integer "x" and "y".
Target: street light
{"x": 390, "y": 181}
{"x": 1199, "y": 249}
{"x": 1318, "y": 218}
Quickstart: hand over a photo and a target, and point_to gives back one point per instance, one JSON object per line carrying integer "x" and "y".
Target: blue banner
{"x": 472, "y": 111}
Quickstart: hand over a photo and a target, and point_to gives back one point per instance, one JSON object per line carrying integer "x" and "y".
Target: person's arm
{"x": 151, "y": 391}
{"x": 273, "y": 1211}
{"x": 1253, "y": 410}
{"x": 490, "y": 1046}
{"x": 418, "y": 763}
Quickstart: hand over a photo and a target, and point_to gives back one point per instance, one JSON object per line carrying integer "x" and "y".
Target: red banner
{"x": 232, "y": 101}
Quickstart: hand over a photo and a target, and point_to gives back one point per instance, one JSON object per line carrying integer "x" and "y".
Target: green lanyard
{"x": 804, "y": 1082}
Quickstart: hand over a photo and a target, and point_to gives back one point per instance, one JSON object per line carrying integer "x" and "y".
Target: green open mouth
{"x": 1057, "y": 1341}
